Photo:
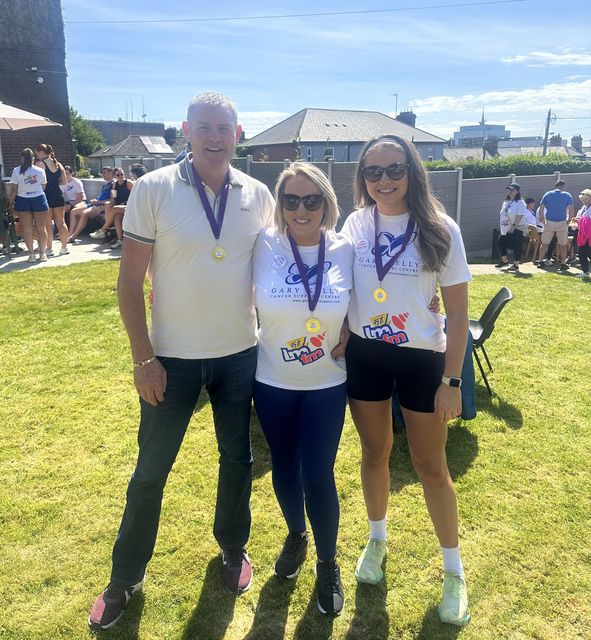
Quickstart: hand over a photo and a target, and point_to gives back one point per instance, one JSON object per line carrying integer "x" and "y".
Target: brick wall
{"x": 32, "y": 35}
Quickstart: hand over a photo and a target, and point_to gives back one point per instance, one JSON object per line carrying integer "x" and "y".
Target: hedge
{"x": 526, "y": 165}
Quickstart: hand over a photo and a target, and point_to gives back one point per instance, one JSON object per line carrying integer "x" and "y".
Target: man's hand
{"x": 150, "y": 382}
{"x": 448, "y": 402}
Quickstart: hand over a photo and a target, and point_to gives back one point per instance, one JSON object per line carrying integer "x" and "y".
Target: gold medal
{"x": 217, "y": 253}
{"x": 380, "y": 295}
{"x": 313, "y": 325}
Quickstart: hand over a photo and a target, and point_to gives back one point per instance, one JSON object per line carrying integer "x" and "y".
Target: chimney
{"x": 408, "y": 117}
{"x": 576, "y": 142}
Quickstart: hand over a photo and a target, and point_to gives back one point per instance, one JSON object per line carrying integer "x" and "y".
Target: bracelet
{"x": 143, "y": 363}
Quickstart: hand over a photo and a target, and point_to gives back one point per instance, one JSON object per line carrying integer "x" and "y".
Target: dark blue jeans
{"x": 303, "y": 429}
{"x": 229, "y": 381}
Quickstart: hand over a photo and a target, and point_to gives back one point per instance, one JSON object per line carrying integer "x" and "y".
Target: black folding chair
{"x": 482, "y": 329}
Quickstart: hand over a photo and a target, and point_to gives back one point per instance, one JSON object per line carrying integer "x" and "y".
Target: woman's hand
{"x": 435, "y": 304}
{"x": 448, "y": 402}
{"x": 341, "y": 347}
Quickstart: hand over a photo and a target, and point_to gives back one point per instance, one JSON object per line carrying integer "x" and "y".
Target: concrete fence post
{"x": 557, "y": 176}
{"x": 512, "y": 178}
{"x": 157, "y": 162}
{"x": 329, "y": 169}
{"x": 248, "y": 163}
{"x": 286, "y": 163}
{"x": 460, "y": 178}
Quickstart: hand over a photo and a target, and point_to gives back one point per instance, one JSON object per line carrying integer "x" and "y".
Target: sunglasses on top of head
{"x": 394, "y": 171}
{"x": 312, "y": 202}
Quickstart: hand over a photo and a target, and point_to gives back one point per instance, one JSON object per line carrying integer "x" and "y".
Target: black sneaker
{"x": 501, "y": 264}
{"x": 111, "y": 604}
{"x": 563, "y": 267}
{"x": 292, "y": 556}
{"x": 330, "y": 589}
{"x": 513, "y": 267}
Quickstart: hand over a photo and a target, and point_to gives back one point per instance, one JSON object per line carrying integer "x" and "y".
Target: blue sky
{"x": 515, "y": 59}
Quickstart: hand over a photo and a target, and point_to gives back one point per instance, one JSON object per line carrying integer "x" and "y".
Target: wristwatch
{"x": 452, "y": 382}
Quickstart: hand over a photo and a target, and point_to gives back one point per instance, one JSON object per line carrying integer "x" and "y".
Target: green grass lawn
{"x": 68, "y": 421}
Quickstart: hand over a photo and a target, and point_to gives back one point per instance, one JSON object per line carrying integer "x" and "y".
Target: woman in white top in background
{"x": 513, "y": 226}
{"x": 405, "y": 246}
{"x": 27, "y": 194}
{"x": 302, "y": 278}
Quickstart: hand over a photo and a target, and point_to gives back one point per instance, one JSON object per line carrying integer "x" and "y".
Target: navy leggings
{"x": 303, "y": 429}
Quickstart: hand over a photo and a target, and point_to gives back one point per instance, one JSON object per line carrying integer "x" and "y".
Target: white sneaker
{"x": 581, "y": 275}
{"x": 49, "y": 252}
{"x": 117, "y": 245}
{"x": 43, "y": 257}
{"x": 99, "y": 234}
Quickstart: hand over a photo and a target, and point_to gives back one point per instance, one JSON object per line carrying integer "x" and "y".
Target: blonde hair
{"x": 424, "y": 208}
{"x": 320, "y": 179}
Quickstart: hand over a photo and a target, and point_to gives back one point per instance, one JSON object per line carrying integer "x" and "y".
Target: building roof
{"x": 136, "y": 146}
{"x": 464, "y": 153}
{"x": 337, "y": 125}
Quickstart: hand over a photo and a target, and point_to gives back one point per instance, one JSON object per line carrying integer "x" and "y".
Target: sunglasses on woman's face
{"x": 119, "y": 175}
{"x": 394, "y": 171}
{"x": 312, "y": 202}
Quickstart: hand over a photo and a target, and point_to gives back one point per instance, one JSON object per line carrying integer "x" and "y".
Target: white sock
{"x": 452, "y": 561}
{"x": 377, "y": 529}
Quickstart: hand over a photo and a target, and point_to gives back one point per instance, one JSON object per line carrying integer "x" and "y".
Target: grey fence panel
{"x": 266, "y": 172}
{"x": 240, "y": 164}
{"x": 481, "y": 203}
{"x": 342, "y": 181}
{"x": 444, "y": 185}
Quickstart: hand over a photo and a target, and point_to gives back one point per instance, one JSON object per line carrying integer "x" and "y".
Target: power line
{"x": 297, "y": 15}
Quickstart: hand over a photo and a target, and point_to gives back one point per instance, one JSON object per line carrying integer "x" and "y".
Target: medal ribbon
{"x": 216, "y": 225}
{"x": 381, "y": 268}
{"x": 312, "y": 299}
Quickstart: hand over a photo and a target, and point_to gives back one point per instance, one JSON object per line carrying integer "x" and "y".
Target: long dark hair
{"x": 516, "y": 197}
{"x": 433, "y": 237}
{"x": 27, "y": 157}
{"x": 47, "y": 149}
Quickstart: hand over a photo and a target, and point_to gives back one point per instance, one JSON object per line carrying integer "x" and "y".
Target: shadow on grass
{"x": 313, "y": 624}
{"x": 370, "y": 620}
{"x": 270, "y": 617}
{"x": 129, "y": 625}
{"x": 498, "y": 407}
{"x": 214, "y": 611}
{"x": 461, "y": 451}
{"x": 432, "y": 628}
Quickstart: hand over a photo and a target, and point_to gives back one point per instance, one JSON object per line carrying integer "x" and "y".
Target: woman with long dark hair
{"x": 405, "y": 246}
{"x": 56, "y": 177}
{"x": 513, "y": 226}
{"x": 27, "y": 196}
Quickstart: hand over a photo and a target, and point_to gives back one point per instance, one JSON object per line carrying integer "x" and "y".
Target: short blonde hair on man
{"x": 211, "y": 98}
{"x": 320, "y": 179}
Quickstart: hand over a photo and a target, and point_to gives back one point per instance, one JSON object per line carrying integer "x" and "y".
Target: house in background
{"x": 151, "y": 151}
{"x": 318, "y": 134}
{"x": 114, "y": 131}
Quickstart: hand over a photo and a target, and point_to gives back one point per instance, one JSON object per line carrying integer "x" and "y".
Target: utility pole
{"x": 396, "y": 104}
{"x": 547, "y": 132}
{"x": 483, "y": 123}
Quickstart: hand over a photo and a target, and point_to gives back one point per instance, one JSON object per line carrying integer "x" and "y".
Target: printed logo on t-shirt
{"x": 294, "y": 276}
{"x": 389, "y": 244}
{"x": 361, "y": 246}
{"x": 304, "y": 350}
{"x": 32, "y": 179}
{"x": 278, "y": 261}
{"x": 380, "y": 328}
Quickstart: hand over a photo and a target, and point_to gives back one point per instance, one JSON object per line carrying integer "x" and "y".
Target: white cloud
{"x": 544, "y": 59}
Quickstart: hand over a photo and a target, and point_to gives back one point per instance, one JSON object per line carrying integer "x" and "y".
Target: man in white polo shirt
{"x": 195, "y": 224}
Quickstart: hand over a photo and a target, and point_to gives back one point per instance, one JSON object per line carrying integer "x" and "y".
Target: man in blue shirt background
{"x": 556, "y": 211}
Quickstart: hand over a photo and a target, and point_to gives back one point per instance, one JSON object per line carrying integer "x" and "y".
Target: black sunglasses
{"x": 394, "y": 171}
{"x": 312, "y": 202}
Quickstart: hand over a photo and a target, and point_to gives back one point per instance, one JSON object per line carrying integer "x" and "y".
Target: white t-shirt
{"x": 404, "y": 319}
{"x": 289, "y": 356}
{"x": 530, "y": 217}
{"x": 202, "y": 308}
{"x": 70, "y": 189}
{"x": 30, "y": 183}
{"x": 510, "y": 211}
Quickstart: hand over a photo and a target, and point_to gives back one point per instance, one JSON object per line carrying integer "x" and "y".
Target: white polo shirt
{"x": 202, "y": 308}
{"x": 289, "y": 356}
{"x": 404, "y": 319}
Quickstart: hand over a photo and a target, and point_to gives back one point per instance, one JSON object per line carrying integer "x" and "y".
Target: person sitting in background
{"x": 114, "y": 212}
{"x": 137, "y": 171}
{"x": 531, "y": 219}
{"x": 79, "y": 217}
{"x": 73, "y": 192}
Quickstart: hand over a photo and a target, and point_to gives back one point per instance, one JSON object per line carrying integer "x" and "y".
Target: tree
{"x": 88, "y": 139}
